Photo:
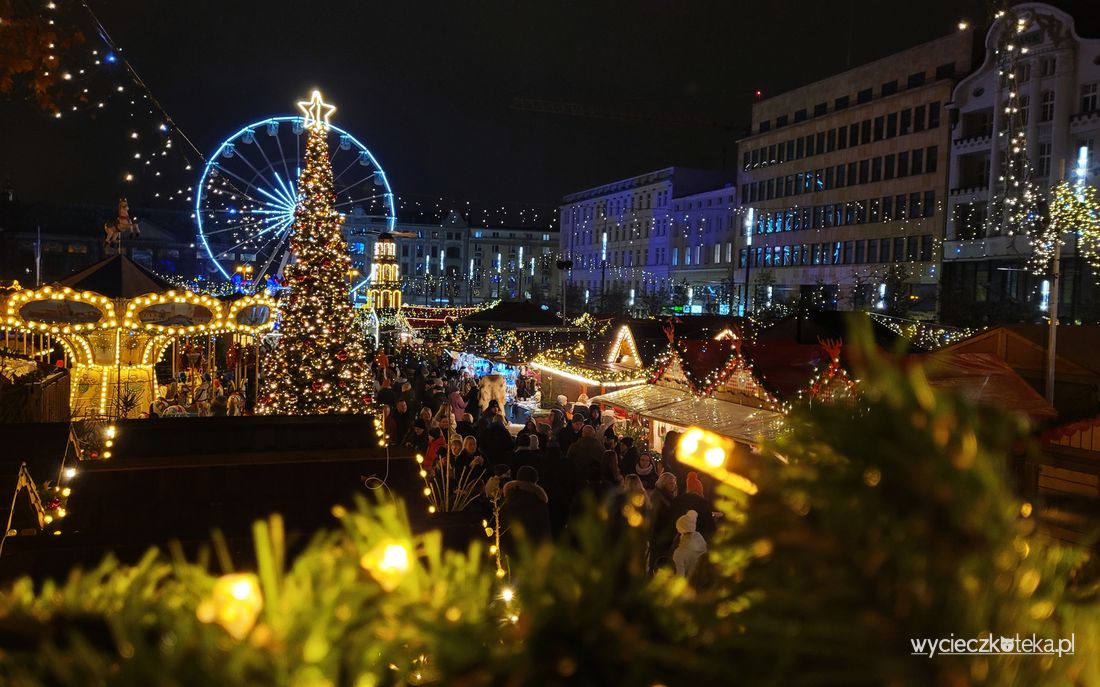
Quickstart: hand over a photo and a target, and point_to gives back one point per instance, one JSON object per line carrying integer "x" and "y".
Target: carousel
{"x": 114, "y": 322}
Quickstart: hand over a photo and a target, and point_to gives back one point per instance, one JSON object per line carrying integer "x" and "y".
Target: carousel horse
{"x": 121, "y": 224}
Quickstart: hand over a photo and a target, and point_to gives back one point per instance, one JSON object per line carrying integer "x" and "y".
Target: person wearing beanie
{"x": 692, "y": 499}
{"x": 693, "y": 484}
{"x": 691, "y": 546}
{"x": 525, "y": 513}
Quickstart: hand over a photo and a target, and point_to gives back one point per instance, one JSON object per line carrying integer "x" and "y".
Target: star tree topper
{"x": 316, "y": 110}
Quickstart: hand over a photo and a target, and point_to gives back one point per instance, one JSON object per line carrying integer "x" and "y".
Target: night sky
{"x": 428, "y": 85}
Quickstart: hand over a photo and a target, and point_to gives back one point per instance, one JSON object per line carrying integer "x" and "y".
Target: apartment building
{"x": 618, "y": 234}
{"x": 844, "y": 180}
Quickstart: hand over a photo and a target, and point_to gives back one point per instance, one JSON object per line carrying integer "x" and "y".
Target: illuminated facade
{"x": 1055, "y": 105}
{"x": 384, "y": 289}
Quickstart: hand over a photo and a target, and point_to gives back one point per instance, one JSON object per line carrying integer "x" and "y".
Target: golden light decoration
{"x": 711, "y": 453}
{"x": 234, "y": 603}
{"x": 387, "y": 563}
{"x": 1073, "y": 208}
{"x": 316, "y": 110}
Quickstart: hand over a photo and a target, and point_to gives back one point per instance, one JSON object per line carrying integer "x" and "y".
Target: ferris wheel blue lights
{"x": 244, "y": 205}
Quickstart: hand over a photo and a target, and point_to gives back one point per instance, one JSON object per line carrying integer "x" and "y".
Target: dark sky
{"x": 427, "y": 85}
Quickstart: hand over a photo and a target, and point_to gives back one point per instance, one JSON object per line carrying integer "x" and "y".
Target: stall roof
{"x": 984, "y": 379}
{"x": 642, "y": 399}
{"x": 515, "y": 315}
{"x": 721, "y": 417}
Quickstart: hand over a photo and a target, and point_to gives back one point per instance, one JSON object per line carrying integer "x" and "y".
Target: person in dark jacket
{"x": 495, "y": 441}
{"x": 663, "y": 535}
{"x": 628, "y": 456}
{"x": 525, "y": 512}
{"x": 465, "y": 426}
{"x": 569, "y": 434}
{"x": 418, "y": 438}
{"x": 558, "y": 480}
{"x": 692, "y": 499}
{"x": 403, "y": 419}
{"x": 521, "y": 436}
{"x": 386, "y": 395}
{"x": 527, "y": 453}
{"x": 473, "y": 402}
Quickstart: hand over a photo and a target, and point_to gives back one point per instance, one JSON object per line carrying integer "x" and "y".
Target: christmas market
{"x": 481, "y": 368}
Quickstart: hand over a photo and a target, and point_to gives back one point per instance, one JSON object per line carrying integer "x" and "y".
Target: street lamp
{"x": 564, "y": 266}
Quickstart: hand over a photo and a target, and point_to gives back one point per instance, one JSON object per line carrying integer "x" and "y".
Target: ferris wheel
{"x": 244, "y": 208}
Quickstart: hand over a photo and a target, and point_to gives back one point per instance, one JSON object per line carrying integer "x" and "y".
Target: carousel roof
{"x": 116, "y": 277}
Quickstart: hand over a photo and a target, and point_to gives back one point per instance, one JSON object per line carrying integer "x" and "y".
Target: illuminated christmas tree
{"x": 319, "y": 365}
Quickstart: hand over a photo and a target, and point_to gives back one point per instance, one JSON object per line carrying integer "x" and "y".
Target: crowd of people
{"x": 546, "y": 472}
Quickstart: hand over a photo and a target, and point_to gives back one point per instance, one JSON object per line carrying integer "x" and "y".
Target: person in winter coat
{"x": 663, "y": 534}
{"x": 628, "y": 456}
{"x": 465, "y": 426}
{"x": 586, "y": 454}
{"x": 691, "y": 546}
{"x": 646, "y": 471}
{"x": 418, "y": 438}
{"x": 692, "y": 499}
{"x": 403, "y": 419}
{"x": 527, "y": 453}
{"x": 458, "y": 405}
{"x": 496, "y": 442}
{"x": 473, "y": 402}
{"x": 521, "y": 436}
{"x": 437, "y": 443}
{"x": 569, "y": 434}
{"x": 595, "y": 416}
{"x": 558, "y": 415}
{"x": 525, "y": 512}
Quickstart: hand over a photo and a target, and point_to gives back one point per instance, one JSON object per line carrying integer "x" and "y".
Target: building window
{"x": 858, "y": 257}
{"x": 1046, "y": 112}
{"x": 906, "y": 121}
{"x": 1043, "y": 168}
{"x": 675, "y": 256}
{"x": 880, "y": 128}
{"x": 914, "y": 205}
{"x": 1047, "y": 66}
{"x": 891, "y": 125}
{"x": 864, "y": 96}
{"x": 820, "y": 109}
{"x": 840, "y": 103}
{"x": 929, "y": 204}
{"x": 1088, "y": 97}
{"x": 889, "y": 88}
{"x": 899, "y": 248}
{"x": 931, "y": 159}
{"x": 872, "y": 250}
{"x": 912, "y": 253}
{"x": 933, "y": 115}
{"x": 903, "y": 164}
{"x": 781, "y": 121}
{"x": 915, "y": 80}
{"x": 916, "y": 162}
{"x": 926, "y": 248}
{"x": 800, "y": 115}
{"x": 849, "y": 252}
{"x": 918, "y": 117}
{"x": 842, "y": 138}
{"x": 888, "y": 166}
{"x": 945, "y": 71}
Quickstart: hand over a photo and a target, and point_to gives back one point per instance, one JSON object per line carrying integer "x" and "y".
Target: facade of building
{"x": 1050, "y": 98}
{"x": 618, "y": 235}
{"x": 452, "y": 262}
{"x": 702, "y": 262}
{"x": 843, "y": 184}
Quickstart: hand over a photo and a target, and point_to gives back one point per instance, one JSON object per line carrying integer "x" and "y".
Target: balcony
{"x": 969, "y": 192}
{"x": 997, "y": 248}
{"x": 970, "y": 143}
{"x": 1084, "y": 121}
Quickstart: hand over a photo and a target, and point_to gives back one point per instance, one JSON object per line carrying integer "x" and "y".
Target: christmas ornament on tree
{"x": 301, "y": 377}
